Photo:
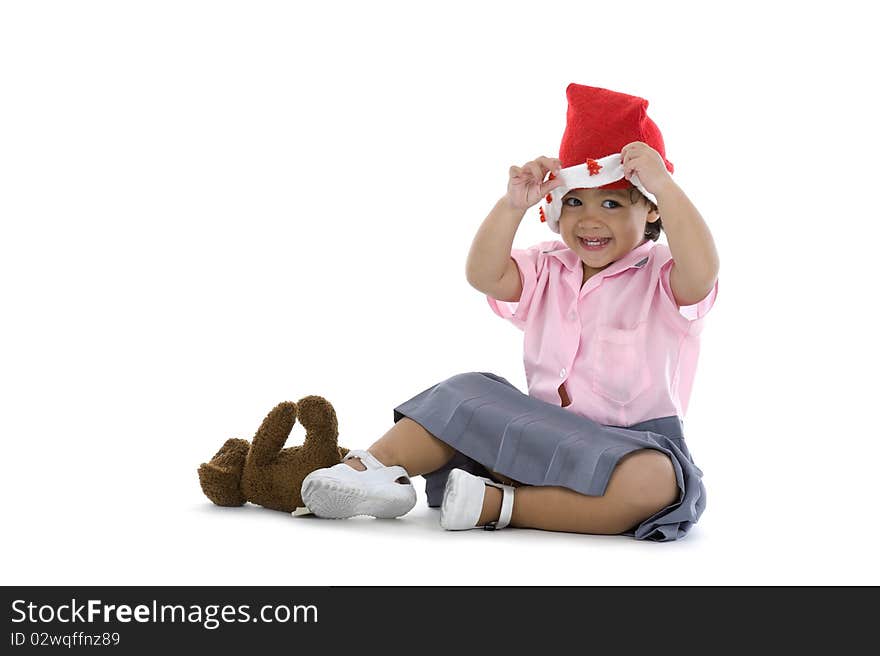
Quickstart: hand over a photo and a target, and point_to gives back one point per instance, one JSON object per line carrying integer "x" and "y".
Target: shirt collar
{"x": 636, "y": 258}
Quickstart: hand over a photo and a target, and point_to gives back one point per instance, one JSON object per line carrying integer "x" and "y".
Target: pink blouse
{"x": 621, "y": 345}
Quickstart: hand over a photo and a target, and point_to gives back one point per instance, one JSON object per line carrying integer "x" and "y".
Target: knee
{"x": 652, "y": 483}
{"x": 473, "y": 377}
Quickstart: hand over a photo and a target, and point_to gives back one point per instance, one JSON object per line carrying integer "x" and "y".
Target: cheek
{"x": 637, "y": 224}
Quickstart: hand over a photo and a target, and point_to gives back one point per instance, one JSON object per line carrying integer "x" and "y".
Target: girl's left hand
{"x": 639, "y": 158}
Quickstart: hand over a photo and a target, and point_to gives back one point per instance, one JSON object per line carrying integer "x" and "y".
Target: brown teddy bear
{"x": 263, "y": 472}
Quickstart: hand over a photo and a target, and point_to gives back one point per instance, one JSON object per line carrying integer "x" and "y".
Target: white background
{"x": 211, "y": 207}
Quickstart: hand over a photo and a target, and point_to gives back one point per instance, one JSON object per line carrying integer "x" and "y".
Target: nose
{"x": 589, "y": 225}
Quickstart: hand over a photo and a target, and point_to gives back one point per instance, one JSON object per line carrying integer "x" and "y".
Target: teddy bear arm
{"x": 272, "y": 434}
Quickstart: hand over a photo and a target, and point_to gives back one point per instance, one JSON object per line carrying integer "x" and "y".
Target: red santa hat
{"x": 599, "y": 123}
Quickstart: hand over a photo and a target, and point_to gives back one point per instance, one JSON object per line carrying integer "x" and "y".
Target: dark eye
{"x": 565, "y": 202}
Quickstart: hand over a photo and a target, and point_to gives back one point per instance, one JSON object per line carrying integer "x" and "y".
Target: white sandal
{"x": 341, "y": 491}
{"x": 463, "y": 502}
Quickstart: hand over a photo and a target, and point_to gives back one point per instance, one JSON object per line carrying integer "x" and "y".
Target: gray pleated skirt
{"x": 494, "y": 427}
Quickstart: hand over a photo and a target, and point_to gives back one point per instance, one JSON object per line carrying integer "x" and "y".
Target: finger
{"x": 549, "y": 163}
{"x": 630, "y": 157}
{"x": 631, "y": 149}
{"x": 535, "y": 169}
{"x": 554, "y": 165}
{"x": 549, "y": 186}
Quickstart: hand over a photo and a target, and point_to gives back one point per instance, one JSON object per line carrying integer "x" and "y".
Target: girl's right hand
{"x": 526, "y": 185}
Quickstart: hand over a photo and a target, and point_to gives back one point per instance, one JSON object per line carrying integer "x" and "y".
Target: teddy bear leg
{"x": 221, "y": 477}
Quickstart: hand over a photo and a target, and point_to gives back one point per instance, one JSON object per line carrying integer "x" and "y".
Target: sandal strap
{"x": 368, "y": 459}
{"x": 506, "y": 506}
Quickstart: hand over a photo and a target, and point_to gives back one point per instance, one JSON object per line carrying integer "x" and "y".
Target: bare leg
{"x": 642, "y": 484}
{"x": 412, "y": 447}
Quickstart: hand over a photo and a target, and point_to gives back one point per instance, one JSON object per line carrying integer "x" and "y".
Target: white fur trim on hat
{"x": 593, "y": 173}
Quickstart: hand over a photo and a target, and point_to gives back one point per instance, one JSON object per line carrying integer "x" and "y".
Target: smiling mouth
{"x": 594, "y": 244}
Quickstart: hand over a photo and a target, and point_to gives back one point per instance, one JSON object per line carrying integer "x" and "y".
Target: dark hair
{"x": 652, "y": 230}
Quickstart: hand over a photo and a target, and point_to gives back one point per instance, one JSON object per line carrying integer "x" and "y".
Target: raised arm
{"x": 490, "y": 268}
{"x": 696, "y": 259}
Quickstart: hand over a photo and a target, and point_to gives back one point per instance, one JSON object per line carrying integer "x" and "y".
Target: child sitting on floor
{"x": 611, "y": 321}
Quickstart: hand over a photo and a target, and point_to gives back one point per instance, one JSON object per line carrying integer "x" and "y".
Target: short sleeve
{"x": 529, "y": 262}
{"x": 689, "y": 312}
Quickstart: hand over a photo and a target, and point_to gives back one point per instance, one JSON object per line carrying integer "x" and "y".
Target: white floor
{"x": 131, "y": 540}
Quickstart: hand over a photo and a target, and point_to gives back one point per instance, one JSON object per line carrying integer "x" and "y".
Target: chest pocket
{"x": 620, "y": 373}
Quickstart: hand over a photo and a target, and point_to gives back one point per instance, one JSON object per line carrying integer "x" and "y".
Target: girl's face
{"x": 606, "y": 215}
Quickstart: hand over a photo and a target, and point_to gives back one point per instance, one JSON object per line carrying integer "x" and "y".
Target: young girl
{"x": 611, "y": 321}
